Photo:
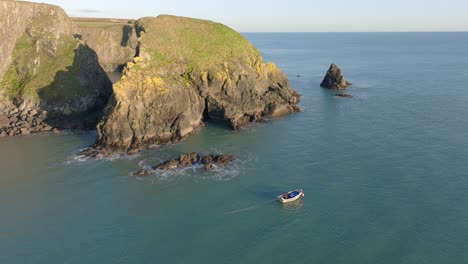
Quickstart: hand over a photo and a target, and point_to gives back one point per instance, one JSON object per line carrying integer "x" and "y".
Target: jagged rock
{"x": 89, "y": 152}
{"x": 164, "y": 100}
{"x": 168, "y": 165}
{"x": 209, "y": 162}
{"x": 207, "y": 159}
{"x": 334, "y": 79}
{"x": 189, "y": 159}
{"x": 217, "y": 161}
{"x": 223, "y": 160}
{"x": 182, "y": 161}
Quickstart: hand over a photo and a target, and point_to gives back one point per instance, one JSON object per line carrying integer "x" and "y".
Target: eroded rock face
{"x": 209, "y": 162}
{"x": 334, "y": 79}
{"x": 48, "y": 78}
{"x": 114, "y": 40}
{"x": 189, "y": 71}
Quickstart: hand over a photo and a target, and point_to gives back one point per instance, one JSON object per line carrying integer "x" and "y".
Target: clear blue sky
{"x": 291, "y": 15}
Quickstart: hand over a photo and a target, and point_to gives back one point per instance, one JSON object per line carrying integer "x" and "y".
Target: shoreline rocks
{"x": 208, "y": 162}
{"x": 15, "y": 122}
{"x": 334, "y": 79}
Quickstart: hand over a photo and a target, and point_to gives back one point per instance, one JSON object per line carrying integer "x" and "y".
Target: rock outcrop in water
{"x": 209, "y": 162}
{"x": 188, "y": 71}
{"x": 334, "y": 79}
{"x": 345, "y": 95}
{"x": 48, "y": 78}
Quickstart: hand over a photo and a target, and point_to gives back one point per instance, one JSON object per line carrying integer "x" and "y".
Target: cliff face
{"x": 188, "y": 71}
{"x": 48, "y": 78}
{"x": 113, "y": 40}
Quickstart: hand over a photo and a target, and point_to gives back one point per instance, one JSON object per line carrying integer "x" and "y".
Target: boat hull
{"x": 283, "y": 200}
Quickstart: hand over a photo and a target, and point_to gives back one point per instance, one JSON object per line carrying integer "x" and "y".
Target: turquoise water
{"x": 385, "y": 173}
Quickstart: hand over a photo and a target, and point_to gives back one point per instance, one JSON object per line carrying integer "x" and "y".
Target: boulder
{"x": 4, "y": 121}
{"x": 334, "y": 79}
{"x": 25, "y": 131}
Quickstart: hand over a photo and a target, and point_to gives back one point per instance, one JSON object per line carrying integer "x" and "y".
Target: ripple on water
{"x": 76, "y": 158}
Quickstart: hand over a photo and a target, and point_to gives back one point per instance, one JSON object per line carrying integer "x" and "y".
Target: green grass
{"x": 204, "y": 45}
{"x": 25, "y": 78}
{"x": 100, "y": 22}
{"x": 19, "y": 74}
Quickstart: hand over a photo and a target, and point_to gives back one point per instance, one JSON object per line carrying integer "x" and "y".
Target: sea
{"x": 385, "y": 173}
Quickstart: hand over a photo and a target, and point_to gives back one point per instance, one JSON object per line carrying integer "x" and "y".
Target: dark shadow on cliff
{"x": 77, "y": 96}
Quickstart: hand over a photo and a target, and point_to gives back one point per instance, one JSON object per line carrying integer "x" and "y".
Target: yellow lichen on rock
{"x": 271, "y": 67}
{"x": 137, "y": 59}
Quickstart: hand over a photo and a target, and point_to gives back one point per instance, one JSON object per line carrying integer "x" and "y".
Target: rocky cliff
{"x": 113, "y": 40}
{"x": 187, "y": 71}
{"x": 48, "y": 78}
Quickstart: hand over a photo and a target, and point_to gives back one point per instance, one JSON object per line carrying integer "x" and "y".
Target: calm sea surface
{"x": 385, "y": 173}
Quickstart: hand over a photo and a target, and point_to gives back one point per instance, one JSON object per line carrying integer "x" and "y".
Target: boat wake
{"x": 76, "y": 158}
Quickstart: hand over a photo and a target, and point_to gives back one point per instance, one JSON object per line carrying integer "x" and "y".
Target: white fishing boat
{"x": 291, "y": 196}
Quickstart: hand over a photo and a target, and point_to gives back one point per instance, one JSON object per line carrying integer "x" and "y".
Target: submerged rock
{"x": 182, "y": 161}
{"x": 334, "y": 79}
{"x": 209, "y": 162}
{"x": 344, "y": 95}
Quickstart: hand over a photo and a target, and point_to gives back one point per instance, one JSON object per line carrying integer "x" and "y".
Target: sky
{"x": 291, "y": 15}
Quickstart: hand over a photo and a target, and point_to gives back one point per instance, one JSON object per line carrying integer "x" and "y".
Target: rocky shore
{"x": 24, "y": 121}
{"x": 207, "y": 162}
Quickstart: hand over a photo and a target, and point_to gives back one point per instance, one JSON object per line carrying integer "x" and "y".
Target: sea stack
{"x": 334, "y": 79}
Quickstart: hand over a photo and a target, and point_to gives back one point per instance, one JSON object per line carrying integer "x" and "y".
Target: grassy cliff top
{"x": 100, "y": 22}
{"x": 200, "y": 44}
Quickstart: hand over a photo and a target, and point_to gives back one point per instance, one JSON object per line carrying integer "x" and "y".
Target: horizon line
{"x": 285, "y": 32}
